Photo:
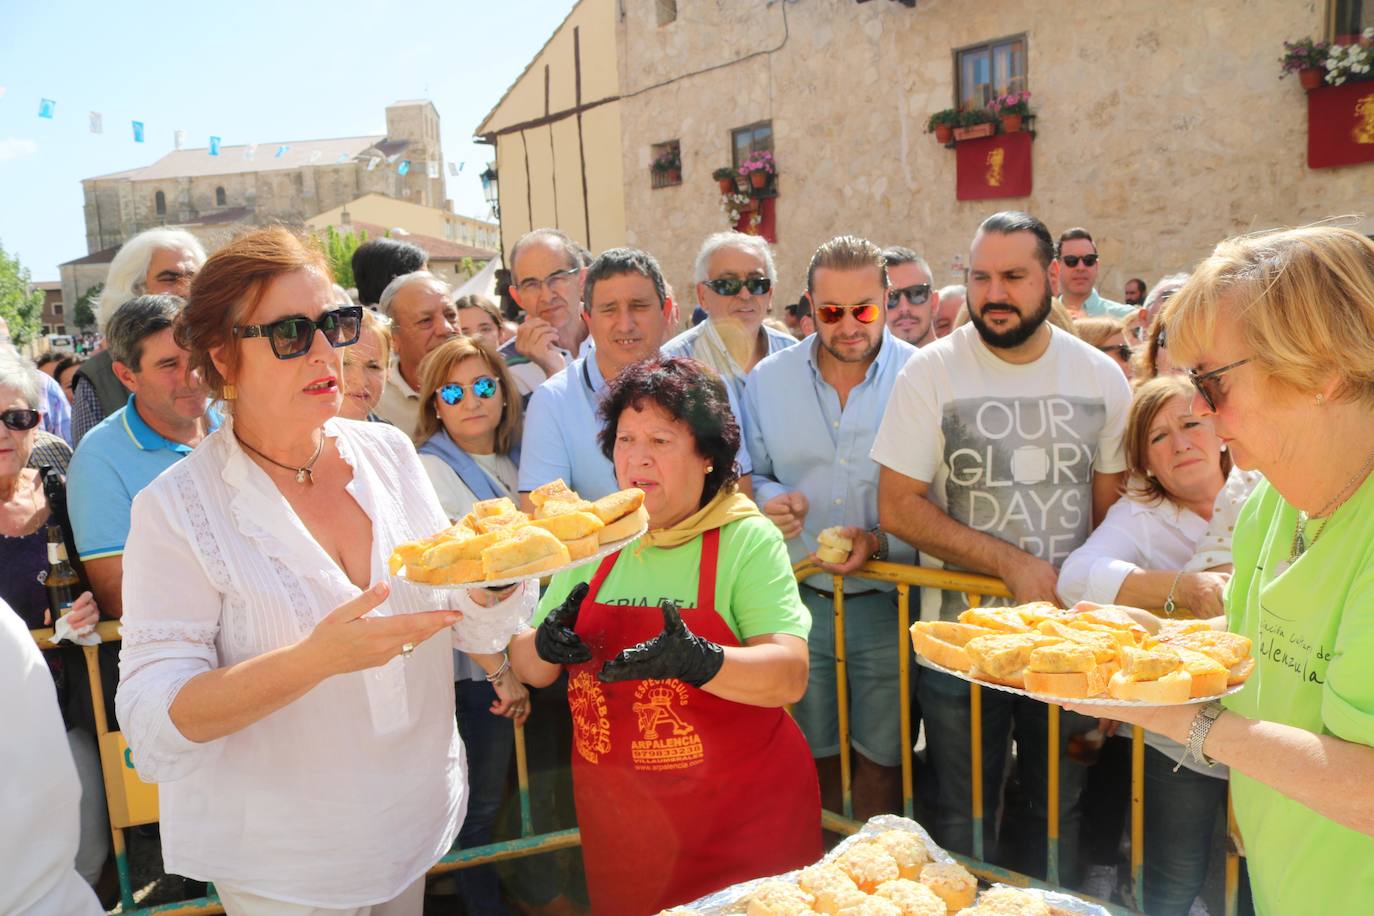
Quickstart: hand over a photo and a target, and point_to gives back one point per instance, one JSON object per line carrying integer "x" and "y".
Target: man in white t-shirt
{"x": 1000, "y": 450}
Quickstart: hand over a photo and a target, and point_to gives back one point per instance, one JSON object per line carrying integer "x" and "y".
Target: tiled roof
{"x": 234, "y": 160}
{"x": 104, "y": 256}
{"x": 437, "y": 248}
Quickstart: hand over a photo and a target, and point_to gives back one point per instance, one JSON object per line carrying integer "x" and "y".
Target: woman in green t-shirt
{"x": 1279, "y": 331}
{"x": 681, "y": 651}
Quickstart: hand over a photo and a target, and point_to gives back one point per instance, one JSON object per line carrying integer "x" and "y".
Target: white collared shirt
{"x": 345, "y": 796}
{"x": 1134, "y": 535}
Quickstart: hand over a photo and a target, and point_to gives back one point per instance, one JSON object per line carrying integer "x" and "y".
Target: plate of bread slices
{"x": 1092, "y": 655}
{"x": 496, "y": 544}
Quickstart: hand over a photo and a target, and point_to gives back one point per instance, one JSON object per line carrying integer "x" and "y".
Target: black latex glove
{"x": 555, "y": 641}
{"x": 675, "y": 653}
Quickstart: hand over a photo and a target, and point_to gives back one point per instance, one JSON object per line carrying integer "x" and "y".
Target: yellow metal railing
{"x": 128, "y": 797}
{"x": 975, "y": 588}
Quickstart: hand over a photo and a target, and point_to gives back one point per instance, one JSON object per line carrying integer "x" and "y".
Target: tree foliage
{"x": 339, "y": 248}
{"x": 21, "y": 308}
{"x": 84, "y": 313}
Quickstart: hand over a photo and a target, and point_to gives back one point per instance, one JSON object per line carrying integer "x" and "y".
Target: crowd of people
{"x": 253, "y": 441}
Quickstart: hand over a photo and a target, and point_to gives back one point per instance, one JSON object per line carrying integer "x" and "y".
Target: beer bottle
{"x": 64, "y": 586}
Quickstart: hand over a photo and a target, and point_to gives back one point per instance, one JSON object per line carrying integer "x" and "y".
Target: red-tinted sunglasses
{"x": 864, "y": 314}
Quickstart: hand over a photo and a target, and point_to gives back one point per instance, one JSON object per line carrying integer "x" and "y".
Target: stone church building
{"x": 288, "y": 181}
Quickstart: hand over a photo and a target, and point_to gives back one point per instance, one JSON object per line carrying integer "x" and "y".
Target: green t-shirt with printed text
{"x": 1312, "y": 626}
{"x": 756, "y": 593}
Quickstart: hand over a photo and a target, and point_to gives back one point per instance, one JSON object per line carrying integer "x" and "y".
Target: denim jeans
{"x": 945, "y": 711}
{"x": 1181, "y": 811}
{"x": 490, "y": 741}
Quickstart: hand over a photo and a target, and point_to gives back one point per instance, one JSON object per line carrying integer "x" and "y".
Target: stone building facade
{"x": 1162, "y": 127}
{"x": 214, "y": 195}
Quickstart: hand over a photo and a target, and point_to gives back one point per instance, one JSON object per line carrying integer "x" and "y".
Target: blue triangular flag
{"x": 403, "y": 167}
{"x": 343, "y": 157}
{"x": 281, "y": 151}
{"x": 45, "y": 107}
{"x": 214, "y": 146}
{"x": 138, "y": 131}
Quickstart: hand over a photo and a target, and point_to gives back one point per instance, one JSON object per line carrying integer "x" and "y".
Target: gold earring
{"x": 230, "y": 392}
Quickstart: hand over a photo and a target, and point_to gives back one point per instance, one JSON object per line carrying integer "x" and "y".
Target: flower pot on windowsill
{"x": 758, "y": 179}
{"x": 943, "y": 134}
{"x": 675, "y": 176}
{"x": 1311, "y": 78}
{"x": 1011, "y": 123}
{"x": 727, "y": 185}
{"x": 974, "y": 131}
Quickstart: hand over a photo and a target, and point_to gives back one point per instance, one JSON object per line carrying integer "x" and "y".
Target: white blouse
{"x": 347, "y": 795}
{"x": 1134, "y": 535}
{"x": 454, "y": 495}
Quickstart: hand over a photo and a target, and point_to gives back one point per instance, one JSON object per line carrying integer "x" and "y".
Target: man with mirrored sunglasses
{"x": 811, "y": 414}
{"x": 735, "y": 276}
{"x": 1076, "y": 265}
{"x": 912, "y": 301}
{"x": 167, "y": 414}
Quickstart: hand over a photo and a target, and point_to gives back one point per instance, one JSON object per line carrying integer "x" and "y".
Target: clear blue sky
{"x": 252, "y": 71}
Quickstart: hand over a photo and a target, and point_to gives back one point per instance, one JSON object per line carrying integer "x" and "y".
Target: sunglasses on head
{"x": 19, "y": 419}
{"x": 916, "y": 294}
{"x": 730, "y": 286}
{"x": 1071, "y": 260}
{"x": 292, "y": 337}
{"x": 1207, "y": 383}
{"x": 1122, "y": 350}
{"x": 864, "y": 314}
{"x": 484, "y": 386}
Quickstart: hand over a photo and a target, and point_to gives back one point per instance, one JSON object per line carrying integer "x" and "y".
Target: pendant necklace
{"x": 1300, "y": 543}
{"x": 304, "y": 474}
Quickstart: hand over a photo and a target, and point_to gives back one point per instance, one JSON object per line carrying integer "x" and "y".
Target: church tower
{"x": 417, "y": 122}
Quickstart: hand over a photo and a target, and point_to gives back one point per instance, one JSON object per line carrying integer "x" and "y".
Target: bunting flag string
{"x": 434, "y": 168}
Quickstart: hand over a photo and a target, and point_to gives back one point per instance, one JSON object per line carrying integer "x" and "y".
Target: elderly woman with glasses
{"x": 1278, "y": 332}
{"x": 292, "y": 706}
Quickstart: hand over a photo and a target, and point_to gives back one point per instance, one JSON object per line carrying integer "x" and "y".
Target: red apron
{"x": 679, "y": 792}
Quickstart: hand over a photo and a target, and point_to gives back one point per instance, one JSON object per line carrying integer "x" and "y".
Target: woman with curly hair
{"x": 681, "y": 652}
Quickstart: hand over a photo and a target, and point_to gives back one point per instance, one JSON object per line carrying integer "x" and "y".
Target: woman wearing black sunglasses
{"x": 307, "y": 753}
{"x": 25, "y": 514}
{"x": 1278, "y": 329}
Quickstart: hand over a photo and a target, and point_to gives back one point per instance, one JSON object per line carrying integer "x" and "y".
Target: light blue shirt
{"x": 800, "y": 439}
{"x": 57, "y": 412}
{"x": 704, "y": 343}
{"x": 115, "y": 460}
{"x": 561, "y": 427}
{"x": 1096, "y": 307}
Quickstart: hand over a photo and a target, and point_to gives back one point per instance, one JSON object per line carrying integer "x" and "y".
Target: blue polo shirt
{"x": 560, "y": 435}
{"x": 115, "y": 460}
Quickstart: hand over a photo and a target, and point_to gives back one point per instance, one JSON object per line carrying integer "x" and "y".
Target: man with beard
{"x": 812, "y": 411}
{"x": 1000, "y": 450}
{"x": 911, "y": 301}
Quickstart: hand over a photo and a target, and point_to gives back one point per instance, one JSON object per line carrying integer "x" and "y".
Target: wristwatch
{"x": 882, "y": 552}
{"x": 1199, "y": 729}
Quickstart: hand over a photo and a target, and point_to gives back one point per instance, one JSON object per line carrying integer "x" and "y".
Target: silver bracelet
{"x": 1199, "y": 729}
{"x": 1169, "y": 606}
{"x": 500, "y": 672}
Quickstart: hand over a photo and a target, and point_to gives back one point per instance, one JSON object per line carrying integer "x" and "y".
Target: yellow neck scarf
{"x": 723, "y": 509}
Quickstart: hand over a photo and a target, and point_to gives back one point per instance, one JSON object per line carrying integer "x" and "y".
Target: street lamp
{"x": 489, "y": 189}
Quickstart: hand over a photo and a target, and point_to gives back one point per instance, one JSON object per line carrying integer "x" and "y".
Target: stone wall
{"x": 1162, "y": 126}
